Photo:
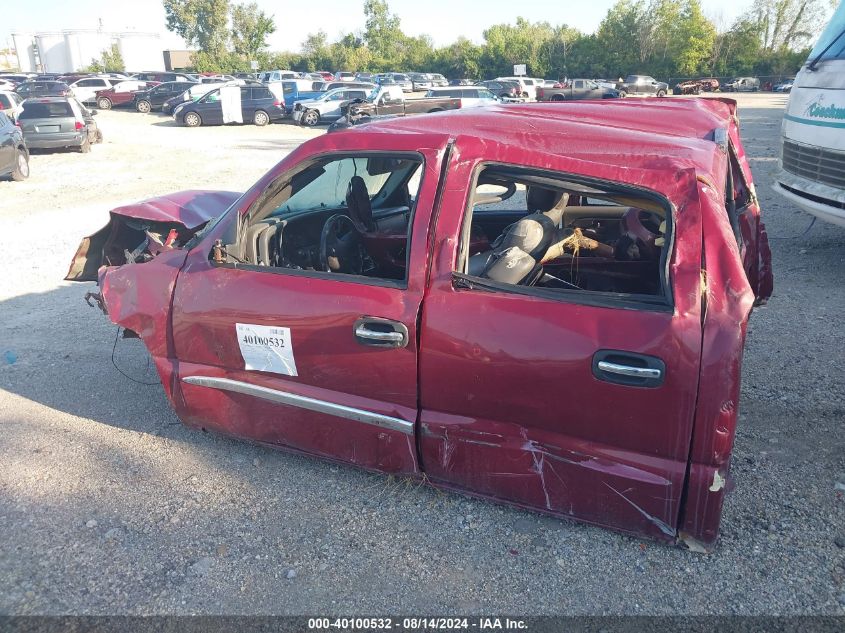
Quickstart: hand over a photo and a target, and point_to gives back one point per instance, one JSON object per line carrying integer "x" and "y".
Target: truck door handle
{"x": 628, "y": 368}
{"x": 379, "y": 332}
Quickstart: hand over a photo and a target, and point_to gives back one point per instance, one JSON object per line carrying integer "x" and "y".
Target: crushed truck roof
{"x": 656, "y": 134}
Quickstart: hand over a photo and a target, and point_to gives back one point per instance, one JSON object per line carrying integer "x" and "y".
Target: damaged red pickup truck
{"x": 544, "y": 305}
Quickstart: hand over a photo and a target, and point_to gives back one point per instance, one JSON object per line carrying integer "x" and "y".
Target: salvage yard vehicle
{"x": 510, "y": 91}
{"x": 58, "y": 122}
{"x": 153, "y": 98}
{"x": 327, "y": 107}
{"x": 30, "y": 89}
{"x": 14, "y": 156}
{"x": 231, "y": 104}
{"x": 122, "y": 94}
{"x": 11, "y": 104}
{"x": 390, "y": 100}
{"x": 742, "y": 84}
{"x": 527, "y": 86}
{"x": 85, "y": 89}
{"x": 642, "y": 86}
{"x": 692, "y": 87}
{"x": 576, "y": 89}
{"x": 551, "y": 317}
{"x": 468, "y": 96}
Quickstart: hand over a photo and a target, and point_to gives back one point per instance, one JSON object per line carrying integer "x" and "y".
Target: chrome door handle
{"x": 627, "y": 370}
{"x": 362, "y": 331}
{"x": 380, "y": 332}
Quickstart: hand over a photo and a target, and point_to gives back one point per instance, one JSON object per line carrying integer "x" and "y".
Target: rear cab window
{"x": 564, "y": 236}
{"x": 46, "y": 110}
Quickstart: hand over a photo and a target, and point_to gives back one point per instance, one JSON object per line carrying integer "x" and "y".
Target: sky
{"x": 443, "y": 20}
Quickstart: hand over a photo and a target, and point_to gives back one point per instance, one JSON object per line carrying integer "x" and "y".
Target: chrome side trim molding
{"x": 303, "y": 402}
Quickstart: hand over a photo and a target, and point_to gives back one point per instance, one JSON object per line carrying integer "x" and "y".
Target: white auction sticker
{"x": 266, "y": 348}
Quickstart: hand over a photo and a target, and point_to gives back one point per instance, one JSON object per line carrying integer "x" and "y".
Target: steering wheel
{"x": 341, "y": 250}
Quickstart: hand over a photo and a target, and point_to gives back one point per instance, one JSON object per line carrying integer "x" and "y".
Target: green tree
{"x": 201, "y": 23}
{"x": 111, "y": 61}
{"x": 786, "y": 24}
{"x": 382, "y": 34}
{"x": 250, "y": 28}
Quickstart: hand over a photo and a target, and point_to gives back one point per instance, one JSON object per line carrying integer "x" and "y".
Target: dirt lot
{"x": 109, "y": 505}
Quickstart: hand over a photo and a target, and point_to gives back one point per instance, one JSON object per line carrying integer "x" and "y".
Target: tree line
{"x": 664, "y": 38}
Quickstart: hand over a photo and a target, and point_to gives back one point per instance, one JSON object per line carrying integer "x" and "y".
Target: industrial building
{"x": 70, "y": 51}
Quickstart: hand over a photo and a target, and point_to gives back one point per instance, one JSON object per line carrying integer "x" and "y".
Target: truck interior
{"x": 346, "y": 215}
{"x": 533, "y": 229}
{"x": 523, "y": 229}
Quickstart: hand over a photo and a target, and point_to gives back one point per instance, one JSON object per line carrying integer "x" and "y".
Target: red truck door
{"x": 321, "y": 362}
{"x": 521, "y": 399}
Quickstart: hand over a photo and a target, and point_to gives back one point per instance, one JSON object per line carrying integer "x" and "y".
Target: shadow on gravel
{"x": 57, "y": 351}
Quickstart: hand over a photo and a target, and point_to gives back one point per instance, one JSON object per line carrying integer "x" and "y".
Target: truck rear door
{"x": 524, "y": 394}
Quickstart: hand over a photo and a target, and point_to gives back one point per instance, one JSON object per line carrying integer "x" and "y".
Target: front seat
{"x": 517, "y": 251}
{"x": 359, "y": 206}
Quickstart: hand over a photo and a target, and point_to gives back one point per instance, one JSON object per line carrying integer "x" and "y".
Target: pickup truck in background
{"x": 742, "y": 84}
{"x": 642, "y": 86}
{"x": 389, "y": 100}
{"x": 576, "y": 89}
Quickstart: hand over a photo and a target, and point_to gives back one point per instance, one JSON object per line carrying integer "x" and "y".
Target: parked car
{"x": 10, "y": 104}
{"x": 402, "y": 80}
{"x": 293, "y": 90}
{"x": 122, "y": 94}
{"x": 784, "y": 86}
{"x": 160, "y": 77}
{"x": 642, "y": 86}
{"x": 14, "y": 156}
{"x": 326, "y": 75}
{"x": 742, "y": 84}
{"x": 257, "y": 105}
{"x": 527, "y": 85}
{"x": 464, "y": 81}
{"x": 56, "y": 122}
{"x": 153, "y": 98}
{"x": 8, "y": 85}
{"x": 29, "y": 89}
{"x": 505, "y": 90}
{"x": 692, "y": 87}
{"x": 391, "y": 101}
{"x": 696, "y": 86}
{"x": 15, "y": 78}
{"x": 333, "y": 308}
{"x": 85, "y": 89}
{"x": 191, "y": 94}
{"x": 574, "y": 90}
{"x": 419, "y": 81}
{"x": 437, "y": 80}
{"x": 325, "y": 108}
{"x": 468, "y": 96}
{"x": 344, "y": 76}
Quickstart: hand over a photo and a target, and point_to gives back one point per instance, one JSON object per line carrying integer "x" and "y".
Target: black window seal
{"x": 662, "y": 302}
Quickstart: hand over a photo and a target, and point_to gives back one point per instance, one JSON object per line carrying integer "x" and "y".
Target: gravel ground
{"x": 109, "y": 505}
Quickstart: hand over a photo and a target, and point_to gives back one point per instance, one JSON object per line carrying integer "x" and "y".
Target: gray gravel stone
{"x": 202, "y": 566}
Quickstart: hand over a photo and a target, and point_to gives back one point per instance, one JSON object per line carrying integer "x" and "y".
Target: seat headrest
{"x": 358, "y": 203}
{"x": 539, "y": 200}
